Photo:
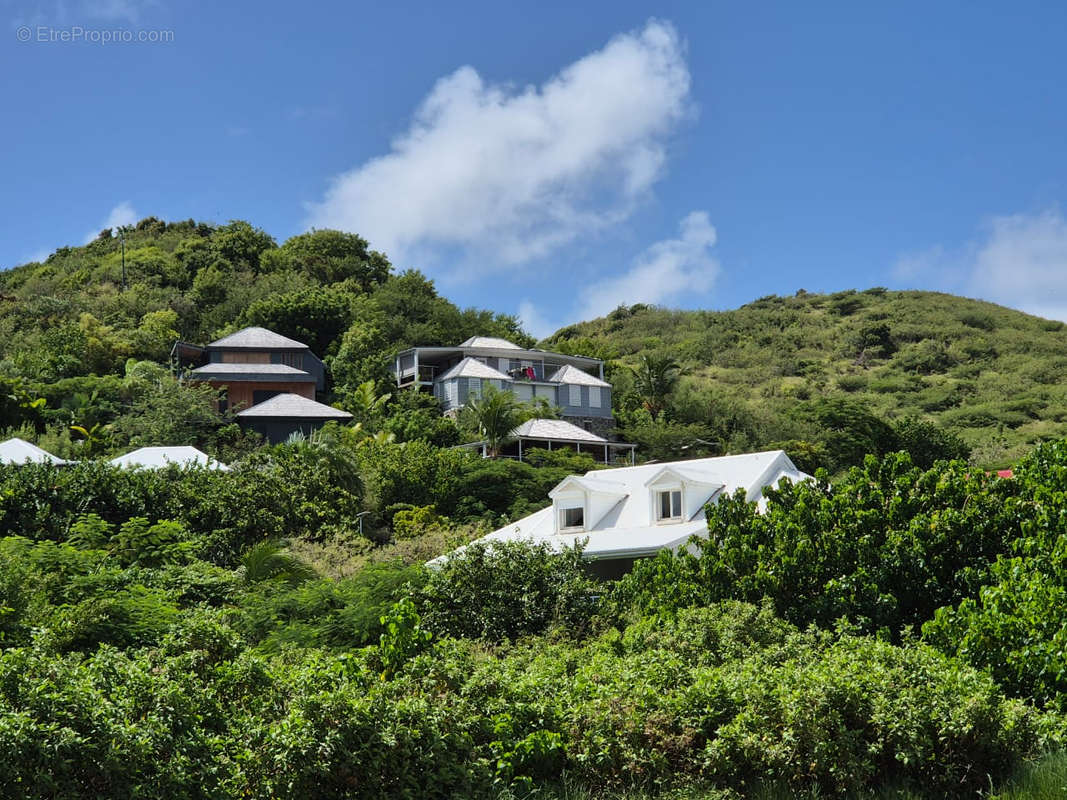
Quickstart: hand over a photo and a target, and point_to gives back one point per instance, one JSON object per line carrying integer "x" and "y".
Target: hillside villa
{"x": 269, "y": 380}
{"x": 627, "y": 513}
{"x": 574, "y": 385}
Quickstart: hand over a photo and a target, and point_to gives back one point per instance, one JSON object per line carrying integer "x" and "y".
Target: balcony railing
{"x": 426, "y": 374}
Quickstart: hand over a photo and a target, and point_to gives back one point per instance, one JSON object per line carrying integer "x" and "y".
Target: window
{"x": 450, "y": 392}
{"x": 575, "y": 395}
{"x": 594, "y": 397}
{"x": 571, "y": 518}
{"x": 669, "y": 505}
{"x": 474, "y": 388}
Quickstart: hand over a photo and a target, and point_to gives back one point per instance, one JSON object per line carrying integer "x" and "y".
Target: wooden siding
{"x": 240, "y": 394}
{"x": 244, "y": 357}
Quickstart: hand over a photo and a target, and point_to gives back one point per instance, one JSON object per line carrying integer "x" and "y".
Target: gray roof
{"x": 556, "y": 429}
{"x": 472, "y": 368}
{"x": 19, "y": 451}
{"x": 490, "y": 341}
{"x": 292, "y": 406}
{"x": 573, "y": 375}
{"x": 161, "y": 457}
{"x": 253, "y": 372}
{"x": 258, "y": 339}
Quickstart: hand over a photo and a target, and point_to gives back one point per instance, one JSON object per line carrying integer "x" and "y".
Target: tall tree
{"x": 495, "y": 415}
{"x": 654, "y": 380}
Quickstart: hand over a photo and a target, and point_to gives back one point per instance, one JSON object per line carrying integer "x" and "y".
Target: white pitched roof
{"x": 293, "y": 405}
{"x": 490, "y": 341}
{"x": 19, "y": 451}
{"x": 472, "y": 368}
{"x": 160, "y": 457}
{"x": 625, "y": 529}
{"x": 569, "y": 374}
{"x": 556, "y": 429}
{"x": 256, "y": 338}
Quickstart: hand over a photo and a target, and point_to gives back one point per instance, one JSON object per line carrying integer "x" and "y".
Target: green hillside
{"x": 991, "y": 374}
{"x": 827, "y": 377}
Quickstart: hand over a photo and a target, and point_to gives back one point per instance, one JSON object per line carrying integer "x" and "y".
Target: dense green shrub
{"x": 1017, "y": 626}
{"x": 724, "y": 696}
{"x": 505, "y": 590}
{"x": 327, "y": 613}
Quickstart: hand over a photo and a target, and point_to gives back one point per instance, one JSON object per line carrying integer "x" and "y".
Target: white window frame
{"x": 574, "y": 394}
{"x": 450, "y": 392}
{"x": 657, "y": 499}
{"x": 594, "y": 397}
{"x": 474, "y": 388}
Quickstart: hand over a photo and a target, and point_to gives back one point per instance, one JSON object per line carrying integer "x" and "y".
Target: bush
{"x": 411, "y": 522}
{"x": 504, "y": 590}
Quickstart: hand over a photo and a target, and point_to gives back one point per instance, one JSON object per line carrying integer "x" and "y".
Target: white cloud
{"x": 122, "y": 214}
{"x": 1021, "y": 261}
{"x": 665, "y": 272}
{"x": 533, "y": 321}
{"x": 1024, "y": 263}
{"x": 505, "y": 175}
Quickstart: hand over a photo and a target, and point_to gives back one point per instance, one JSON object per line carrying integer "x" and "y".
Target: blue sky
{"x": 556, "y": 159}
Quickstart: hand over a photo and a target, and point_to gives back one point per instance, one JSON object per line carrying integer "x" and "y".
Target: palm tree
{"x": 327, "y": 448}
{"x": 365, "y": 404}
{"x": 495, "y": 415}
{"x": 268, "y": 561}
{"x": 655, "y": 379}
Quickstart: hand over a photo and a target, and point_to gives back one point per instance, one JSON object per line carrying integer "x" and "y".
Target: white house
{"x": 634, "y": 512}
{"x": 19, "y": 451}
{"x": 162, "y": 457}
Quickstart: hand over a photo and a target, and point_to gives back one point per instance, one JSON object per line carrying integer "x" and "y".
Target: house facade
{"x": 574, "y": 385}
{"x": 269, "y": 380}
{"x": 623, "y": 514}
{"x": 252, "y": 366}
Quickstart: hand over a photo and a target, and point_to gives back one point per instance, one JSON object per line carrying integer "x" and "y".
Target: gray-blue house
{"x": 573, "y": 384}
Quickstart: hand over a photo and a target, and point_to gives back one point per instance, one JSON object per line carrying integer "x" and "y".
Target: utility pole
{"x": 122, "y": 239}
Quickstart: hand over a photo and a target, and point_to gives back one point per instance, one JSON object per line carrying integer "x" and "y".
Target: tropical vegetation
{"x": 289, "y": 629}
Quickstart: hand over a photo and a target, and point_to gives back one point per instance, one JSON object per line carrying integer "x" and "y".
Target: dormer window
{"x": 572, "y": 518}
{"x": 669, "y": 505}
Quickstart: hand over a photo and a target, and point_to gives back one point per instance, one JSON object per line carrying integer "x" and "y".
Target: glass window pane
{"x": 573, "y": 517}
{"x": 676, "y": 504}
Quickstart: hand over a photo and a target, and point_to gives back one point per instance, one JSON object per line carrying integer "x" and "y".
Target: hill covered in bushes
{"x": 828, "y": 377}
{"x": 755, "y": 374}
